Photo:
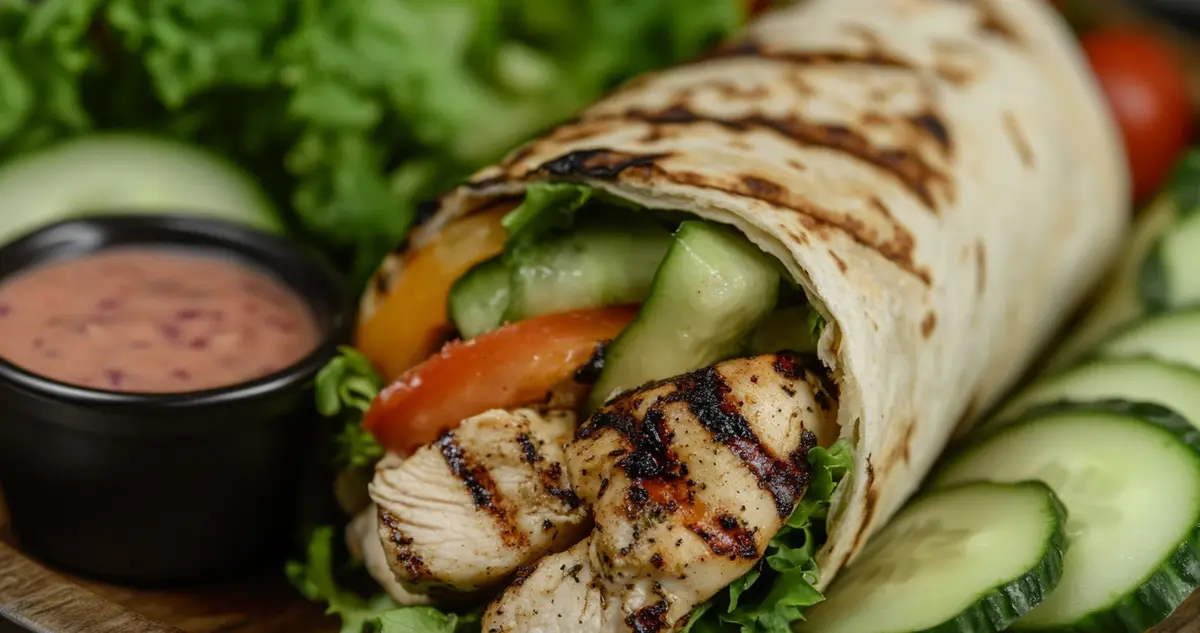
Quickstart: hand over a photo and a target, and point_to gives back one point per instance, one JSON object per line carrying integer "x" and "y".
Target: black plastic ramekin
{"x": 164, "y": 488}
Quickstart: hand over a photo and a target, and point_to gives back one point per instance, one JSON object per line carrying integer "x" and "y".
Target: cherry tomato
{"x": 514, "y": 365}
{"x": 755, "y": 8}
{"x": 411, "y": 321}
{"x": 1145, "y": 83}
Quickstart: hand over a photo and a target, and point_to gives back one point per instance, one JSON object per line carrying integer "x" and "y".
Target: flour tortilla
{"x": 940, "y": 176}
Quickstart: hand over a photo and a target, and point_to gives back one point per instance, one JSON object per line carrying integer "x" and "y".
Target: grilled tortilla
{"x": 939, "y": 176}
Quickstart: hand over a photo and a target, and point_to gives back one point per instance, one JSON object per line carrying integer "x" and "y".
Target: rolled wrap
{"x": 940, "y": 176}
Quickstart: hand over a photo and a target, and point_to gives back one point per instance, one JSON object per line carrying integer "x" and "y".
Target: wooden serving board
{"x": 45, "y": 601}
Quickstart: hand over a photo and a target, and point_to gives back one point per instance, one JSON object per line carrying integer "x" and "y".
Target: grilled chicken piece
{"x": 461, "y": 514}
{"x": 569, "y": 580}
{"x": 688, "y": 480}
{"x": 362, "y": 540}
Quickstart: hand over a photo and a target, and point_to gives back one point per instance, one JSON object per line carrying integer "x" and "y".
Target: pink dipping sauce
{"x": 152, "y": 321}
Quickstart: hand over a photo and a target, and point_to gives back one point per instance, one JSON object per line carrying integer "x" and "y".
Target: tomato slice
{"x": 755, "y": 8}
{"x": 1145, "y": 83}
{"x": 514, "y": 365}
{"x": 411, "y": 322}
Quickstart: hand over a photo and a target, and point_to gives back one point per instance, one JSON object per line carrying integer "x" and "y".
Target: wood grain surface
{"x": 46, "y": 601}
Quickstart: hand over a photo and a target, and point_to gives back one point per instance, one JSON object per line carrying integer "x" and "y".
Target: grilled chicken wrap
{"x": 851, "y": 228}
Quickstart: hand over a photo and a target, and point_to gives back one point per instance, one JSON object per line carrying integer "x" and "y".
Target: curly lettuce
{"x": 316, "y": 580}
{"x": 349, "y": 111}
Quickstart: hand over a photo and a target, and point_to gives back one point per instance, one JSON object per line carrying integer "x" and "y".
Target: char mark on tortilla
{"x": 868, "y": 508}
{"x": 1012, "y": 127}
{"x": 750, "y": 48}
{"x": 907, "y": 166}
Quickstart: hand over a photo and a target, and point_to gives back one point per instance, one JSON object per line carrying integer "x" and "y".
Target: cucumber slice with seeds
{"x": 968, "y": 559}
{"x": 1176, "y": 387}
{"x": 1130, "y": 478}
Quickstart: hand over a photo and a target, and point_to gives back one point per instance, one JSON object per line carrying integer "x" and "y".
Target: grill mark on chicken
{"x": 528, "y": 449}
{"x": 705, "y": 392}
{"x": 523, "y": 573}
{"x": 556, "y": 486}
{"x": 413, "y": 563}
{"x": 482, "y": 488}
{"x": 649, "y": 619}
{"x": 551, "y": 477}
{"x": 808, "y": 367}
{"x": 727, "y": 536}
{"x": 707, "y": 395}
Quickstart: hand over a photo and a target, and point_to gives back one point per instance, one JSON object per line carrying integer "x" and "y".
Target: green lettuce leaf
{"x": 770, "y": 598}
{"x": 426, "y": 620}
{"x": 546, "y": 207}
{"x": 350, "y": 111}
{"x": 344, "y": 389}
{"x": 316, "y": 580}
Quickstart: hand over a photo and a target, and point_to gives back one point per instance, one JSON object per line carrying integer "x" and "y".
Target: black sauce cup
{"x": 164, "y": 488}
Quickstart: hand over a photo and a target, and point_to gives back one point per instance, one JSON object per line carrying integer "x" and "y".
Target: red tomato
{"x": 755, "y": 8}
{"x": 514, "y": 365}
{"x": 1145, "y": 83}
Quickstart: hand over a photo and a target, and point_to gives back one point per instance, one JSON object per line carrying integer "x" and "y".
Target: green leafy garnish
{"x": 772, "y": 597}
{"x": 426, "y": 620}
{"x": 1184, "y": 184}
{"x": 315, "y": 579}
{"x": 345, "y": 387}
{"x": 546, "y": 208}
{"x": 816, "y": 324}
{"x": 349, "y": 111}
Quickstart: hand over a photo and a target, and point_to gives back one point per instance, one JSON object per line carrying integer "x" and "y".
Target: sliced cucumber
{"x": 1131, "y": 484}
{"x": 712, "y": 289}
{"x": 1171, "y": 275}
{"x": 1170, "y": 336}
{"x": 126, "y": 174}
{"x": 592, "y": 266}
{"x": 971, "y": 558}
{"x": 479, "y": 299}
{"x": 1176, "y": 387}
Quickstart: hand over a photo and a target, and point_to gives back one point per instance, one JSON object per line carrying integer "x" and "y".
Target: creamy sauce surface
{"x": 152, "y": 321}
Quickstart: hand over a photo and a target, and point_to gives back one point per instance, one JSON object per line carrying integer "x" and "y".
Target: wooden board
{"x": 50, "y": 602}
{"x": 47, "y": 602}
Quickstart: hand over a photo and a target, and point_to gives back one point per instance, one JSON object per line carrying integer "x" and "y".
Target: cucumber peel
{"x": 972, "y": 558}
{"x": 127, "y": 173}
{"x": 1129, "y": 474}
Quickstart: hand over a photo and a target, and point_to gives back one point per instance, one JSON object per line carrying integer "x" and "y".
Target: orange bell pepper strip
{"x": 411, "y": 322}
